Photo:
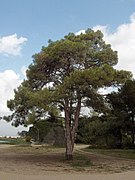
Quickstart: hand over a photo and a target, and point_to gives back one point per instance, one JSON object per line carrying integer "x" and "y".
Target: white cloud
{"x": 9, "y": 80}
{"x": 23, "y": 71}
{"x": 11, "y": 45}
{"x": 6, "y": 129}
{"x": 122, "y": 40}
{"x": 79, "y": 32}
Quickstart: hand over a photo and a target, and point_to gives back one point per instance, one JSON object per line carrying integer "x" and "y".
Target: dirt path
{"x": 38, "y": 163}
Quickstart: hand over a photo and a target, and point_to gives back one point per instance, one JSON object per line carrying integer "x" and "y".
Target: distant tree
{"x": 23, "y": 134}
{"x": 39, "y": 130}
{"x": 92, "y": 130}
{"x": 65, "y": 76}
{"x": 123, "y": 109}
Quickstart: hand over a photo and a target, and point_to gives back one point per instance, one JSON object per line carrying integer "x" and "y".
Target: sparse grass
{"x": 79, "y": 162}
{"x": 36, "y": 149}
{"x": 120, "y": 153}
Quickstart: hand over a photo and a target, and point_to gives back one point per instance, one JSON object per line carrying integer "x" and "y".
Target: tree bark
{"x": 69, "y": 149}
{"x": 132, "y": 131}
{"x": 71, "y": 128}
{"x": 69, "y": 145}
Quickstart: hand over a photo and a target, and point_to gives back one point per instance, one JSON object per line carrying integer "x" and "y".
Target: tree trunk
{"x": 132, "y": 131}
{"x": 71, "y": 128}
{"x": 119, "y": 138}
{"x": 69, "y": 145}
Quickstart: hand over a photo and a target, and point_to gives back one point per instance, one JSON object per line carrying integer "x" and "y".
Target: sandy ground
{"x": 17, "y": 165}
{"x": 64, "y": 176}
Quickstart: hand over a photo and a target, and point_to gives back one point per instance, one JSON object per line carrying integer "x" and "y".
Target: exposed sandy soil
{"x": 40, "y": 163}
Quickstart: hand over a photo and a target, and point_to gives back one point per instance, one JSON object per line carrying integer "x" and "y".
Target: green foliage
{"x": 92, "y": 131}
{"x": 123, "y": 109}
{"x": 22, "y": 134}
{"x": 40, "y": 129}
{"x": 65, "y": 75}
{"x": 73, "y": 67}
{"x": 116, "y": 128}
{"x": 105, "y": 131}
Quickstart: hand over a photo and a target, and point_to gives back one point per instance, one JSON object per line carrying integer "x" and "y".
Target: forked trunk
{"x": 71, "y": 128}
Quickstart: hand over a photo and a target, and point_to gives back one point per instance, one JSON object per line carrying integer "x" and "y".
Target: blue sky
{"x": 41, "y": 20}
{"x": 26, "y": 26}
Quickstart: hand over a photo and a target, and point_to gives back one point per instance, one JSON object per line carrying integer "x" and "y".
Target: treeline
{"x": 115, "y": 128}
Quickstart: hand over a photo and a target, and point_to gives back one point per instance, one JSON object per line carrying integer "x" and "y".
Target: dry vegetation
{"x": 39, "y": 159}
